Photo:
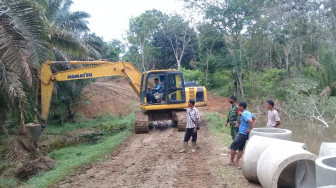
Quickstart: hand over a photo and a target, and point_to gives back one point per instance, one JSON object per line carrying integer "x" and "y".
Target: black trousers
{"x": 190, "y": 133}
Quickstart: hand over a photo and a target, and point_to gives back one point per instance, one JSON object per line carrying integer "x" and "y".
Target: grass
{"x": 115, "y": 131}
{"x": 217, "y": 127}
{"x": 7, "y": 170}
{"x": 230, "y": 174}
{"x": 69, "y": 159}
{"x": 106, "y": 122}
{"x": 8, "y": 182}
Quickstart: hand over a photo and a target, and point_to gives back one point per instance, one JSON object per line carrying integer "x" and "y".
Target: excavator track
{"x": 141, "y": 122}
{"x": 180, "y": 117}
{"x": 144, "y": 120}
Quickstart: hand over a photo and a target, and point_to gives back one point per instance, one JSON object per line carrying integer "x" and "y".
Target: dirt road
{"x": 153, "y": 160}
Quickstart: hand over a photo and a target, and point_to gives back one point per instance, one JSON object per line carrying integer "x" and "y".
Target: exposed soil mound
{"x": 114, "y": 96}
{"x": 34, "y": 167}
{"x": 21, "y": 149}
{"x": 217, "y": 104}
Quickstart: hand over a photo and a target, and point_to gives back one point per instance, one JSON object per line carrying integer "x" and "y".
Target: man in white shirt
{"x": 273, "y": 116}
{"x": 191, "y": 127}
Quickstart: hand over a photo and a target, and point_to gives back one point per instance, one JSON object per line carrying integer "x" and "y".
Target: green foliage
{"x": 193, "y": 75}
{"x": 113, "y": 50}
{"x": 7, "y": 170}
{"x": 303, "y": 101}
{"x": 218, "y": 82}
{"x": 69, "y": 159}
{"x": 108, "y": 123}
{"x": 31, "y": 33}
{"x": 8, "y": 182}
{"x": 329, "y": 66}
{"x": 264, "y": 83}
{"x": 66, "y": 95}
{"x": 217, "y": 127}
{"x": 113, "y": 131}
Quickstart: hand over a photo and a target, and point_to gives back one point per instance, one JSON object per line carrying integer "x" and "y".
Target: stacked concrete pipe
{"x": 278, "y": 133}
{"x": 327, "y": 148}
{"x": 286, "y": 166}
{"x": 255, "y": 147}
{"x": 326, "y": 171}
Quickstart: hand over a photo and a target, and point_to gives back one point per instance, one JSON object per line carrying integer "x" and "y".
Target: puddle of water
{"x": 302, "y": 132}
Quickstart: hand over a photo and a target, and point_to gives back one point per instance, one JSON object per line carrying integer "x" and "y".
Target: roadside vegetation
{"x": 216, "y": 124}
{"x": 256, "y": 50}
{"x": 98, "y": 138}
{"x": 222, "y": 136}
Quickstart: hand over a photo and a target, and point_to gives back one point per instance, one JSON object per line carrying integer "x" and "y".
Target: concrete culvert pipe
{"x": 255, "y": 147}
{"x": 326, "y": 171}
{"x": 282, "y": 134}
{"x": 286, "y": 166}
{"x": 327, "y": 148}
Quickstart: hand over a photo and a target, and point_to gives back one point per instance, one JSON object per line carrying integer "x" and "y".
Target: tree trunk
{"x": 143, "y": 59}
{"x": 178, "y": 64}
{"x": 22, "y": 120}
{"x": 301, "y": 57}
{"x": 234, "y": 92}
{"x": 240, "y": 79}
{"x": 143, "y": 55}
{"x": 286, "y": 50}
{"x": 207, "y": 69}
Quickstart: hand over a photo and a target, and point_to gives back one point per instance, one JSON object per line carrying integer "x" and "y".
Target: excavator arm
{"x": 99, "y": 69}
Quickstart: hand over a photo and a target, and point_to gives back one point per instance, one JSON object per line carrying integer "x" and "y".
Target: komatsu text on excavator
{"x": 159, "y": 106}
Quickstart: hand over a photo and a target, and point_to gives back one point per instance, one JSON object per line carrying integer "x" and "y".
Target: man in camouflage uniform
{"x": 233, "y": 116}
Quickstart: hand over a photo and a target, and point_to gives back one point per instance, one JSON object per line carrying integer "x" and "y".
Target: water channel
{"x": 312, "y": 135}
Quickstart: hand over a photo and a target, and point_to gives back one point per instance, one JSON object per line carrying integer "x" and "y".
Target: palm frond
{"x": 94, "y": 45}
{"x": 66, "y": 5}
{"x": 23, "y": 38}
{"x": 73, "y": 21}
{"x": 14, "y": 89}
{"x": 66, "y": 42}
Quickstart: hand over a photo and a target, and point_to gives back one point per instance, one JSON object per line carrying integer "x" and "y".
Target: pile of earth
{"x": 114, "y": 96}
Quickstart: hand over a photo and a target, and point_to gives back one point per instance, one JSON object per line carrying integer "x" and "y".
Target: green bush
{"x": 264, "y": 83}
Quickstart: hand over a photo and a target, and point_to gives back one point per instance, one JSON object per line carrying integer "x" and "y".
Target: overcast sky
{"x": 110, "y": 18}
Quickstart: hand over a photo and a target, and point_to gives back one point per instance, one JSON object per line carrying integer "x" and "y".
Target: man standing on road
{"x": 191, "y": 127}
{"x": 248, "y": 121}
{"x": 273, "y": 116}
{"x": 232, "y": 116}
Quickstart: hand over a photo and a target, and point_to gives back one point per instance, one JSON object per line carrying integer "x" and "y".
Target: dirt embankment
{"x": 153, "y": 160}
{"x": 115, "y": 97}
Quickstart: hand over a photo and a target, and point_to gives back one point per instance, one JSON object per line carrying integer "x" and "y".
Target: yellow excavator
{"x": 163, "y": 107}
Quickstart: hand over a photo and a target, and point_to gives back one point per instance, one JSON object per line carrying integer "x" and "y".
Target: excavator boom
{"x": 99, "y": 69}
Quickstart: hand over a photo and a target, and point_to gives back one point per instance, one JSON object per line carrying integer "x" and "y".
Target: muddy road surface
{"x": 153, "y": 159}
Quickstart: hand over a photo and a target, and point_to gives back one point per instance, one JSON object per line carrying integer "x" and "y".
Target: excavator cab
{"x": 171, "y": 88}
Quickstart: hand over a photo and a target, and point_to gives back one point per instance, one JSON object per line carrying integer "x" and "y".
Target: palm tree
{"x": 32, "y": 31}
{"x": 23, "y": 47}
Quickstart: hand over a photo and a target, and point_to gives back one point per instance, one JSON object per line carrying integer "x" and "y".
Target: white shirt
{"x": 194, "y": 115}
{"x": 273, "y": 117}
